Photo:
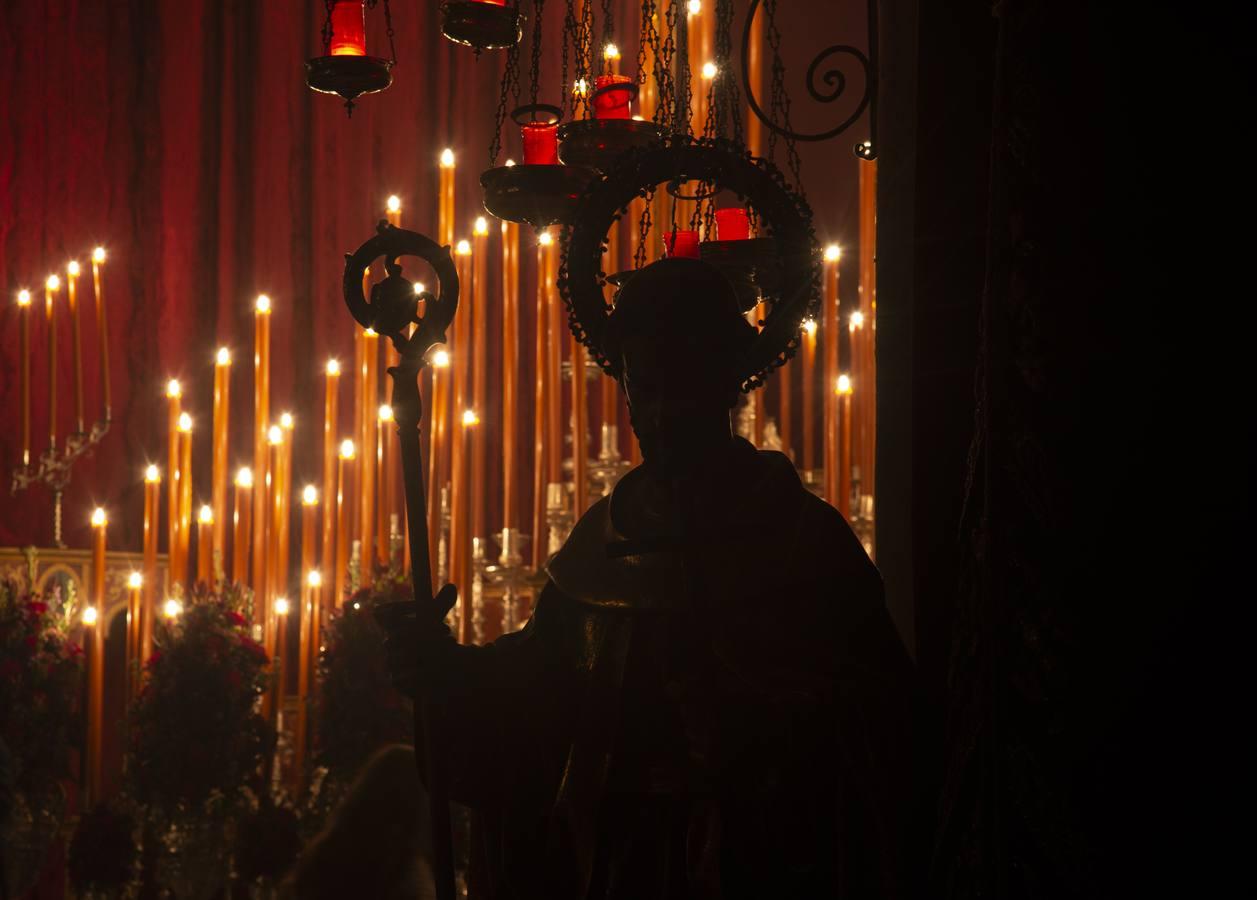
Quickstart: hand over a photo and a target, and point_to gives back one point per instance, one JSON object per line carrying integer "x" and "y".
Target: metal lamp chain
{"x": 509, "y": 86}
{"x": 780, "y": 99}
{"x": 566, "y": 101}
{"x": 539, "y": 8}
{"x": 327, "y": 28}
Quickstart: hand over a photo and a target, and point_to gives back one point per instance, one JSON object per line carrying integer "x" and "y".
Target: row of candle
{"x": 52, "y": 287}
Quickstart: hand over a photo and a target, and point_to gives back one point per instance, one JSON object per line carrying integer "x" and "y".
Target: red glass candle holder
{"x": 732, "y": 224}
{"x": 611, "y": 104}
{"x": 681, "y": 244}
{"x": 541, "y": 144}
{"x": 349, "y": 28}
{"x": 492, "y": 2}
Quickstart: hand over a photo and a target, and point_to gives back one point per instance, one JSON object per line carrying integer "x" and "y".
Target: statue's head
{"x": 679, "y": 339}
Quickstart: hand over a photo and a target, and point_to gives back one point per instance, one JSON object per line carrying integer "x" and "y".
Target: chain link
{"x": 327, "y": 28}
{"x": 780, "y": 100}
{"x": 539, "y": 8}
{"x": 608, "y": 34}
{"x": 566, "y": 101}
{"x": 509, "y": 87}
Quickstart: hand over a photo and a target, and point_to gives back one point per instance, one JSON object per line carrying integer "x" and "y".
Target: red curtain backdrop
{"x": 181, "y": 137}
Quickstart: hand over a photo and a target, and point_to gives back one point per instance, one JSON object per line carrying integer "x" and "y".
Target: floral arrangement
{"x": 41, "y": 673}
{"x": 359, "y": 711}
{"x": 195, "y": 732}
{"x": 103, "y": 852}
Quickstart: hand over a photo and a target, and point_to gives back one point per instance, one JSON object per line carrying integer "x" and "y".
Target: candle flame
{"x": 447, "y": 158}
{"x": 369, "y": 332}
{"x": 185, "y": 423}
{"x": 809, "y": 325}
{"x": 463, "y": 248}
{"x": 346, "y": 449}
{"x": 709, "y": 70}
{"x": 263, "y": 304}
{"x": 611, "y": 51}
{"x": 172, "y": 608}
{"x": 98, "y": 255}
{"x": 695, "y": 7}
{"x": 98, "y": 517}
{"x": 832, "y": 253}
{"x": 333, "y": 367}
{"x": 53, "y": 283}
{"x": 510, "y": 162}
{"x": 286, "y": 421}
{"x": 419, "y": 288}
{"x": 441, "y": 358}
{"x": 857, "y": 320}
{"x": 581, "y": 88}
{"x": 206, "y": 515}
{"x": 386, "y": 413}
{"x": 135, "y": 580}
{"x": 394, "y": 203}
{"x": 244, "y": 477}
{"x": 172, "y": 388}
{"x": 314, "y": 578}
{"x": 23, "y": 298}
{"x": 90, "y": 615}
{"x": 72, "y": 268}
{"x": 545, "y": 239}
{"x": 152, "y": 474}
{"x": 481, "y": 226}
{"x": 275, "y": 435}
{"x": 470, "y": 418}
{"x": 844, "y": 384}
{"x": 223, "y": 357}
{"x": 281, "y": 606}
{"x": 309, "y": 495}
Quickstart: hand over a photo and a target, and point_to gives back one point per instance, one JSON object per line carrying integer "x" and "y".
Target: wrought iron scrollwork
{"x": 826, "y": 83}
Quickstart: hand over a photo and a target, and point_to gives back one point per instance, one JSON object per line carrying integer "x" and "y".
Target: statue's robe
{"x": 723, "y": 713}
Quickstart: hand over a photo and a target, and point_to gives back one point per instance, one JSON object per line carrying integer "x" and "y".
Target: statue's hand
{"x": 414, "y": 639}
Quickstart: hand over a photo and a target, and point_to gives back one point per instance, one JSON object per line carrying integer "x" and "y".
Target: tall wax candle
{"x": 479, "y": 373}
{"x": 609, "y": 399}
{"x": 367, "y": 457}
{"x": 102, "y": 328}
{"x": 135, "y": 603}
{"x": 218, "y": 483}
{"x": 306, "y": 634}
{"x": 757, "y": 397}
{"x": 287, "y": 425}
{"x": 24, "y": 313}
{"x": 580, "y": 425}
{"x": 152, "y": 524}
{"x": 205, "y": 544}
{"x": 185, "y": 495}
{"x": 541, "y": 384}
{"x": 173, "y": 411}
{"x": 809, "y": 395}
{"x": 829, "y": 396}
{"x": 384, "y": 439}
{"x": 330, "y": 414}
{"x": 51, "y": 286}
{"x": 274, "y": 503}
{"x": 241, "y": 540}
{"x": 866, "y": 401}
{"x": 261, "y": 424}
{"x": 94, "y": 619}
{"x": 510, "y": 367}
{"x": 344, "y": 468}
{"x": 438, "y": 457}
{"x": 71, "y": 293}
{"x": 844, "y": 389}
{"x": 445, "y": 207}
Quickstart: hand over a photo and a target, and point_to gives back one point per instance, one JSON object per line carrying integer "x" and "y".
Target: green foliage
{"x": 41, "y": 672}
{"x": 195, "y": 729}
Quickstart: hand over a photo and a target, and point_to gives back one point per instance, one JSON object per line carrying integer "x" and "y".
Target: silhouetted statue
{"x": 710, "y": 699}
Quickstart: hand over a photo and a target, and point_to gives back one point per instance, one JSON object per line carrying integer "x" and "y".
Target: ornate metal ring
{"x": 553, "y": 113}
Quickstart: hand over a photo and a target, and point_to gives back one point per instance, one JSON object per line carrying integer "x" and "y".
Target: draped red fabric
{"x": 181, "y": 136}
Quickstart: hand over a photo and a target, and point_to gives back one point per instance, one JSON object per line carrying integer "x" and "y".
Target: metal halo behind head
{"x": 394, "y": 306}
{"x": 783, "y": 213}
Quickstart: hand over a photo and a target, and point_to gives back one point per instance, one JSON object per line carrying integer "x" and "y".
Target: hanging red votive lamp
{"x": 612, "y": 96}
{"x": 541, "y": 143}
{"x": 349, "y": 28}
{"x": 732, "y": 224}
{"x": 680, "y": 244}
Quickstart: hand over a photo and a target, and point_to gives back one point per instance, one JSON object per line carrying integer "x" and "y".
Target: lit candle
{"x": 829, "y": 323}
{"x": 614, "y": 103}
{"x": 580, "y": 429}
{"x": 275, "y": 503}
{"x": 541, "y": 383}
{"x": 94, "y": 617}
{"x": 152, "y": 524}
{"x": 71, "y": 283}
{"x": 438, "y": 455}
{"x": 330, "y": 406}
{"x": 309, "y": 517}
{"x": 445, "y": 208}
{"x": 393, "y": 210}
{"x": 541, "y": 144}
{"x": 611, "y": 58}
{"x": 279, "y": 661}
{"x": 757, "y": 397}
{"x": 383, "y": 508}
{"x": 609, "y": 392}
{"x": 343, "y": 468}
{"x": 349, "y": 28}
{"x": 51, "y": 286}
{"x": 681, "y": 244}
{"x": 809, "y": 395}
{"x": 479, "y": 371}
{"x": 307, "y": 660}
{"x": 102, "y": 328}
{"x": 240, "y": 540}
{"x": 732, "y": 224}
{"x": 204, "y": 543}
{"x": 287, "y": 424}
{"x": 24, "y": 312}
{"x": 222, "y": 413}
{"x": 173, "y": 411}
{"x": 843, "y": 390}
{"x": 261, "y": 423}
{"x": 460, "y": 525}
{"x": 510, "y": 366}
{"x": 369, "y": 386}
{"x": 866, "y": 402}
{"x": 185, "y": 495}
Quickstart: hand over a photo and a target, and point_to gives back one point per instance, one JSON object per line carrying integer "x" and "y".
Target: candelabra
{"x": 54, "y": 469}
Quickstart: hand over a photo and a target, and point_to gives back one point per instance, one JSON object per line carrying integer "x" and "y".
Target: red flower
{"x": 152, "y": 660}
{"x": 253, "y": 647}
{"x": 38, "y": 607}
{"x": 235, "y": 618}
